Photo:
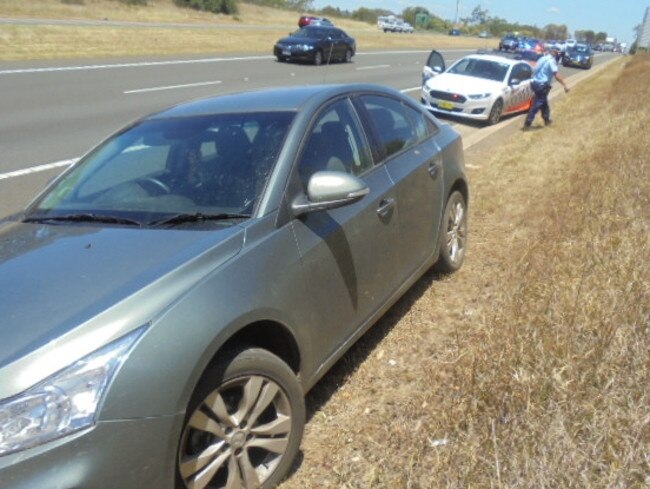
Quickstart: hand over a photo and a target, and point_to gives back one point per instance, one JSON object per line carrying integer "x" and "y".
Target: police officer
{"x": 543, "y": 74}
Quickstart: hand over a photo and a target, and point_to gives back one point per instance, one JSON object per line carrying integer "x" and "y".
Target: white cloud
{"x": 553, "y": 10}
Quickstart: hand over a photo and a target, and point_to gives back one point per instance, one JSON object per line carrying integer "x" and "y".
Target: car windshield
{"x": 212, "y": 166}
{"x": 579, "y": 48}
{"x": 480, "y": 68}
{"x": 312, "y": 33}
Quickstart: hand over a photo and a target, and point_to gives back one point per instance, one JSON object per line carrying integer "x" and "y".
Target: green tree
{"x": 409, "y": 13}
{"x": 478, "y": 16}
{"x": 228, "y": 7}
{"x": 555, "y": 31}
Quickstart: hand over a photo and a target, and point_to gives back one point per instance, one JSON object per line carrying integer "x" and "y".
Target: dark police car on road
{"x": 316, "y": 44}
{"x": 579, "y": 55}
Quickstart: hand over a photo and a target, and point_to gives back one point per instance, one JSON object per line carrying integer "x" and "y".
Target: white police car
{"x": 479, "y": 86}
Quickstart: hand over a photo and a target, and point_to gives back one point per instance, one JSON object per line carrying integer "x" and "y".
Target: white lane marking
{"x": 185, "y": 61}
{"x": 172, "y": 87}
{"x": 405, "y": 90}
{"x": 36, "y": 169}
{"x": 130, "y": 65}
{"x": 376, "y": 67}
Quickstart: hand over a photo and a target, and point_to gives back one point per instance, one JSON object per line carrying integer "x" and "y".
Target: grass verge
{"x": 530, "y": 367}
{"x": 253, "y": 30}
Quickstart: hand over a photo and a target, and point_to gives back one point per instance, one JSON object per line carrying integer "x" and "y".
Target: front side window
{"x": 335, "y": 143}
{"x": 214, "y": 164}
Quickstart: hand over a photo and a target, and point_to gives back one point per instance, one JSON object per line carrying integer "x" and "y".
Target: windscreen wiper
{"x": 197, "y": 217}
{"x": 83, "y": 217}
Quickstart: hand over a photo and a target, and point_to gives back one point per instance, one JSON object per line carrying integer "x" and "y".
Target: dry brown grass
{"x": 531, "y": 367}
{"x": 25, "y": 42}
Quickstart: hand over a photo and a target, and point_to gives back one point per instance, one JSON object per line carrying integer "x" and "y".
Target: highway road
{"x": 53, "y": 112}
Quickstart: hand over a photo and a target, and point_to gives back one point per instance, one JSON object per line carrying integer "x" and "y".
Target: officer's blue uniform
{"x": 543, "y": 74}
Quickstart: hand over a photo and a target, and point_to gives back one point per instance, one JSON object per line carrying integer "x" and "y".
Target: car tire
{"x": 453, "y": 238}
{"x": 348, "y": 56}
{"x": 281, "y": 59}
{"x": 318, "y": 58}
{"x": 495, "y": 112}
{"x": 243, "y": 425}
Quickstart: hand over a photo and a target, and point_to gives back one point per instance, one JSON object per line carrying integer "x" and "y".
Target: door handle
{"x": 434, "y": 167}
{"x": 385, "y": 207}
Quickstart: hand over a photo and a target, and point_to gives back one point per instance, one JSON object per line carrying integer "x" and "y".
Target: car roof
{"x": 282, "y": 99}
{"x": 494, "y": 57}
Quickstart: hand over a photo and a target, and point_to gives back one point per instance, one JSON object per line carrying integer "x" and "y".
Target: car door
{"x": 434, "y": 66}
{"x": 339, "y": 44}
{"x": 519, "y": 92}
{"x": 349, "y": 254}
{"x": 414, "y": 162}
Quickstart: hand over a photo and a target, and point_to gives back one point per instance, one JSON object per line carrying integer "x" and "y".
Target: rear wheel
{"x": 243, "y": 425}
{"x": 454, "y": 234}
{"x": 495, "y": 112}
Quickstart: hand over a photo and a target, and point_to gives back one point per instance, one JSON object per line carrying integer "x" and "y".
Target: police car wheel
{"x": 495, "y": 112}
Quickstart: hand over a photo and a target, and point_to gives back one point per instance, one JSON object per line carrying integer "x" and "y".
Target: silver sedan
{"x": 168, "y": 301}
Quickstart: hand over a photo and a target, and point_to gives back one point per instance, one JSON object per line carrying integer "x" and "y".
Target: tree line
{"x": 479, "y": 21}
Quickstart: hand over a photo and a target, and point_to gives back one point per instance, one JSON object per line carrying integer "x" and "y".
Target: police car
{"x": 479, "y": 86}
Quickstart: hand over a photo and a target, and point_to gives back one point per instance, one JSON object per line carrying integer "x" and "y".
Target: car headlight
{"x": 479, "y": 96}
{"x": 65, "y": 402}
{"x": 305, "y": 47}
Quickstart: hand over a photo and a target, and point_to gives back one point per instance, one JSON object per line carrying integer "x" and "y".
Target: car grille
{"x": 452, "y": 97}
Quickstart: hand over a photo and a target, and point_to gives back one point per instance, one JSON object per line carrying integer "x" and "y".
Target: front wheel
{"x": 495, "y": 112}
{"x": 318, "y": 58}
{"x": 348, "y": 56}
{"x": 243, "y": 425}
{"x": 454, "y": 234}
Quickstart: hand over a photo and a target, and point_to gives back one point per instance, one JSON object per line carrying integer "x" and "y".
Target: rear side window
{"x": 393, "y": 125}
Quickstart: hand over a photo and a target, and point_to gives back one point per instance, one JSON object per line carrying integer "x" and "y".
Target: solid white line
{"x": 411, "y": 89}
{"x": 376, "y": 67}
{"x": 130, "y": 65}
{"x": 172, "y": 87}
{"x": 184, "y": 61}
{"x": 36, "y": 169}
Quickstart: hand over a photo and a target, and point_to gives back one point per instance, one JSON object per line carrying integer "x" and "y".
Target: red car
{"x": 312, "y": 20}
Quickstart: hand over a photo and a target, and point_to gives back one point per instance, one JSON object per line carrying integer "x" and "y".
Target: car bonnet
{"x": 86, "y": 286}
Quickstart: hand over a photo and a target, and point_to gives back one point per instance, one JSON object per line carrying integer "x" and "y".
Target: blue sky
{"x": 616, "y": 17}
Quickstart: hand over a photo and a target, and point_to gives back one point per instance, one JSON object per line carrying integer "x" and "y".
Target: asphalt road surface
{"x": 53, "y": 112}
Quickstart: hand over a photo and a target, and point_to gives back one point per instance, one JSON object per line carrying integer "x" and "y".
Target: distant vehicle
{"x": 484, "y": 34}
{"x": 407, "y": 28}
{"x": 316, "y": 44}
{"x": 580, "y": 56}
{"x": 313, "y": 20}
{"x": 170, "y": 299}
{"x": 569, "y": 43}
{"x": 509, "y": 42}
{"x": 480, "y": 86}
{"x": 390, "y": 23}
{"x": 530, "y": 44}
{"x": 454, "y": 32}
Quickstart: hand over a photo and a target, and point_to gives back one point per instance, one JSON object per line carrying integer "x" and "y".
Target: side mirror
{"x": 428, "y": 72}
{"x": 515, "y": 82}
{"x": 329, "y": 190}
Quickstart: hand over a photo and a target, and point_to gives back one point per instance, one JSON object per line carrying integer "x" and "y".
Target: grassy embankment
{"x": 530, "y": 368}
{"x": 253, "y": 30}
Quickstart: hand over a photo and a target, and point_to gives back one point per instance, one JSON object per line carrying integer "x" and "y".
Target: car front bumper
{"x": 471, "y": 109}
{"x": 294, "y": 52}
{"x": 580, "y": 63}
{"x": 128, "y": 454}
